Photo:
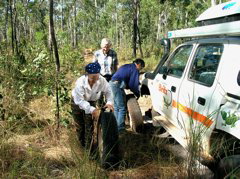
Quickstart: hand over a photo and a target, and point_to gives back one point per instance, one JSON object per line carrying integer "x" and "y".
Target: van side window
{"x": 205, "y": 63}
{"x": 178, "y": 61}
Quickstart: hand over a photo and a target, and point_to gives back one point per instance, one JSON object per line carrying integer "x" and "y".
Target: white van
{"x": 195, "y": 90}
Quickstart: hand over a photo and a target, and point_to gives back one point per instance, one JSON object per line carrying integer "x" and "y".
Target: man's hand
{"x": 109, "y": 106}
{"x": 95, "y": 114}
{"x": 137, "y": 95}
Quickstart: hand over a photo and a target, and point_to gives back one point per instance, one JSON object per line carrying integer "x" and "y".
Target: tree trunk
{"x": 6, "y": 24}
{"x": 49, "y": 38}
{"x": 15, "y": 30}
{"x": 54, "y": 43}
{"x": 71, "y": 31}
{"x": 25, "y": 22}
{"x": 96, "y": 19}
{"x": 95, "y": 3}
{"x": 12, "y": 26}
{"x": 138, "y": 30}
{"x": 62, "y": 24}
{"x": 75, "y": 42}
{"x": 213, "y": 2}
{"x": 13, "y": 17}
{"x": 140, "y": 43}
{"x": 158, "y": 26}
{"x": 135, "y": 29}
{"x": 116, "y": 26}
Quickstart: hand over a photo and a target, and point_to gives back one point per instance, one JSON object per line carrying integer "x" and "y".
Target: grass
{"x": 31, "y": 148}
{"x": 38, "y": 154}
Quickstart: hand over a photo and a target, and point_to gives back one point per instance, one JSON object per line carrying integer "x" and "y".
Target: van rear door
{"x": 229, "y": 116}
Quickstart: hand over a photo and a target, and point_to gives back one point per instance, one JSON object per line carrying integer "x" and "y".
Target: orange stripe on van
{"x": 195, "y": 115}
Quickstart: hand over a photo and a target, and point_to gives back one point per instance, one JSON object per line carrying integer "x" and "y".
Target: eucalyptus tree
{"x": 151, "y": 24}
{"x": 13, "y": 19}
{"x": 54, "y": 43}
{"x": 136, "y": 31}
{"x": 4, "y": 8}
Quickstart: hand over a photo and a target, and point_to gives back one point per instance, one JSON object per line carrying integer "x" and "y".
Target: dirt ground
{"x": 151, "y": 157}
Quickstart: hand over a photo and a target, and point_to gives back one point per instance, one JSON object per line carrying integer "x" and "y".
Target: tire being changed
{"x": 135, "y": 114}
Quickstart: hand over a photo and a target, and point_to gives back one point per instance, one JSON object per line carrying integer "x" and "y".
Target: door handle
{"x": 173, "y": 89}
{"x": 201, "y": 101}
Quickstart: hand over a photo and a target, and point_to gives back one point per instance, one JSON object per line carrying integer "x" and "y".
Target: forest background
{"x": 34, "y": 84}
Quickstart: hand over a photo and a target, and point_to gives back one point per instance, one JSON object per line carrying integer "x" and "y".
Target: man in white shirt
{"x": 87, "y": 91}
{"x": 107, "y": 58}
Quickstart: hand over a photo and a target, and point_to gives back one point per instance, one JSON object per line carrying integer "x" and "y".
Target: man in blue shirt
{"x": 126, "y": 77}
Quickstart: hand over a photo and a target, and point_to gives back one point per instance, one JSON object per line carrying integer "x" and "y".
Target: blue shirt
{"x": 130, "y": 75}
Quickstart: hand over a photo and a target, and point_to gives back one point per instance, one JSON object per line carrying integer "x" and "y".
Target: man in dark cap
{"x": 87, "y": 91}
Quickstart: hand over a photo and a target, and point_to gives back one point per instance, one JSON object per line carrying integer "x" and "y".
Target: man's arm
{"x": 108, "y": 92}
{"x": 134, "y": 83}
{"x": 78, "y": 98}
{"x": 115, "y": 61}
{"x": 108, "y": 95}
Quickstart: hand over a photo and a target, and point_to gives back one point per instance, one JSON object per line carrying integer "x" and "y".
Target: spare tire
{"x": 135, "y": 114}
{"x": 108, "y": 143}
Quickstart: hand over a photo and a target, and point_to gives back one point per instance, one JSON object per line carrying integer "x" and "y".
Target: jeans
{"x": 119, "y": 103}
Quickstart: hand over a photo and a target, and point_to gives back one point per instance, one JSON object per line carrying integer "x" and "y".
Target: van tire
{"x": 227, "y": 166}
{"x": 226, "y": 152}
{"x": 224, "y": 145}
{"x": 107, "y": 137}
{"x": 135, "y": 114}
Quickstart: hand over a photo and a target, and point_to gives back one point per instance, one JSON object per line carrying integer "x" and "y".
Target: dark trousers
{"x": 102, "y": 101}
{"x": 84, "y": 124}
{"x": 107, "y": 77}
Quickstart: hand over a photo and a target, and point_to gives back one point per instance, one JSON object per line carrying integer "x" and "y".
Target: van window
{"x": 205, "y": 63}
{"x": 178, "y": 61}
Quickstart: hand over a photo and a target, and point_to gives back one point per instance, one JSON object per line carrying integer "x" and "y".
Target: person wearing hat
{"x": 107, "y": 58}
{"x": 86, "y": 92}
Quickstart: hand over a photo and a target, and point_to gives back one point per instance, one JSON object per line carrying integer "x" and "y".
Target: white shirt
{"x": 82, "y": 93}
{"x": 107, "y": 61}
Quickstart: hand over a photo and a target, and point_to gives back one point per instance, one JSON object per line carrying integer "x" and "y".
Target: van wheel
{"x": 228, "y": 167}
{"x": 107, "y": 136}
{"x": 135, "y": 114}
{"x": 226, "y": 151}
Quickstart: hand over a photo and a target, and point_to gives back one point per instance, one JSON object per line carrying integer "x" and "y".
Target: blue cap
{"x": 93, "y": 68}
